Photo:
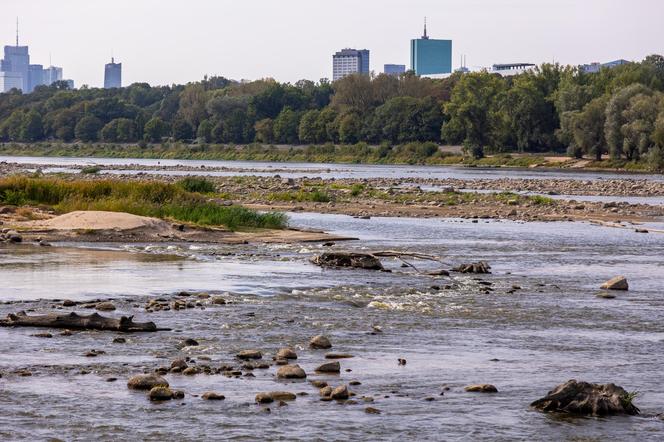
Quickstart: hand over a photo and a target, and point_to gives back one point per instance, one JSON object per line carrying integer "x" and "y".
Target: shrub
{"x": 196, "y": 184}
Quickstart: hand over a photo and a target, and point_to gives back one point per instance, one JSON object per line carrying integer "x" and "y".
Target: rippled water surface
{"x": 450, "y": 330}
{"x": 323, "y": 170}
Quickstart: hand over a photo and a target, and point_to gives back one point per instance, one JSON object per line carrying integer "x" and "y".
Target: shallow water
{"x": 551, "y": 330}
{"x": 322, "y": 170}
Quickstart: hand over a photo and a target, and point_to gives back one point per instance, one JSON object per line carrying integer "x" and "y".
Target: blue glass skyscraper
{"x": 430, "y": 57}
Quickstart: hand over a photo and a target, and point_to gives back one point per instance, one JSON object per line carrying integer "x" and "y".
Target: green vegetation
{"x": 153, "y": 199}
{"x": 618, "y": 111}
{"x": 90, "y": 170}
{"x": 196, "y": 184}
{"x": 315, "y": 196}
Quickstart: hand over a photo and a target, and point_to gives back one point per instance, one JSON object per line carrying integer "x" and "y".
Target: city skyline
{"x": 152, "y": 40}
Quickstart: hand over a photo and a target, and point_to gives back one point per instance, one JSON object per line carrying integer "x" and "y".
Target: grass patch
{"x": 541, "y": 200}
{"x": 159, "y": 200}
{"x": 91, "y": 170}
{"x": 317, "y": 196}
{"x": 196, "y": 184}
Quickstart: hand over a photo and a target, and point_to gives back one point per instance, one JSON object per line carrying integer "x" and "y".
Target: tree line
{"x": 617, "y": 111}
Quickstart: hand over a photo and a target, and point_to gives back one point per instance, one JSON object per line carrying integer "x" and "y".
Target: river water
{"x": 450, "y": 330}
{"x": 322, "y": 170}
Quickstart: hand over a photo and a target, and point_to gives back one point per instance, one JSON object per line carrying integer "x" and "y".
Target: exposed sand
{"x": 99, "y": 220}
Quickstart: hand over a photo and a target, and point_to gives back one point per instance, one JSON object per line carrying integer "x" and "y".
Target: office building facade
{"x": 112, "y": 75}
{"x": 52, "y": 74}
{"x": 394, "y": 69}
{"x": 350, "y": 61}
{"x": 429, "y": 56}
{"x": 16, "y": 63}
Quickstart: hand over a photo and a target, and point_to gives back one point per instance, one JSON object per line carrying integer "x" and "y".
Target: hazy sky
{"x": 176, "y": 41}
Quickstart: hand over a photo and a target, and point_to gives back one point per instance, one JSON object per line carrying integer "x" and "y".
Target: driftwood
{"x": 475, "y": 267}
{"x": 371, "y": 261}
{"x": 78, "y": 322}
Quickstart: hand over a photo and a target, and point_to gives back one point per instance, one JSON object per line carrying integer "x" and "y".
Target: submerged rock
{"x": 160, "y": 393}
{"x": 481, "y": 388}
{"x": 146, "y": 382}
{"x": 286, "y": 353}
{"x": 476, "y": 267}
{"x": 583, "y": 398}
{"x": 212, "y": 396}
{"x": 341, "y": 392}
{"x": 320, "y": 342}
{"x": 364, "y": 261}
{"x": 617, "y": 283}
{"x": 250, "y": 354}
{"x": 293, "y": 371}
{"x": 106, "y": 306}
{"x": 269, "y": 397}
{"x": 329, "y": 367}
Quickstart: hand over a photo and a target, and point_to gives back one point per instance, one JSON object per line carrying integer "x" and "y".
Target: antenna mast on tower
{"x": 17, "y": 31}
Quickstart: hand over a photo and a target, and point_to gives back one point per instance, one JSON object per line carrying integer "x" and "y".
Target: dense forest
{"x": 619, "y": 111}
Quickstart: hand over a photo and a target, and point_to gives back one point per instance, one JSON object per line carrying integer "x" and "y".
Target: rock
{"x": 190, "y": 371}
{"x": 583, "y": 398}
{"x": 119, "y": 340}
{"x": 319, "y": 384}
{"x": 212, "y": 396}
{"x": 340, "y": 392}
{"x": 617, "y": 283}
{"x": 14, "y": 236}
{"x": 218, "y": 300}
{"x": 160, "y": 393}
{"x": 292, "y": 371}
{"x": 329, "y": 367}
{"x": 326, "y": 391}
{"x": 42, "y": 335}
{"x": 249, "y": 354}
{"x": 68, "y": 303}
{"x": 178, "y": 394}
{"x": 372, "y": 410}
{"x": 477, "y": 267}
{"x": 190, "y": 342}
{"x": 338, "y": 356}
{"x": 105, "y": 306}
{"x": 146, "y": 382}
{"x": 180, "y": 364}
{"x": 402, "y": 361}
{"x": 286, "y": 353}
{"x": 355, "y": 383}
{"x": 320, "y": 342}
{"x": 364, "y": 261}
{"x": 266, "y": 398}
{"x": 481, "y": 388}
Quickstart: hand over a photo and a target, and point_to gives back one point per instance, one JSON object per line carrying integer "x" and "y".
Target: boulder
{"x": 179, "y": 364}
{"x": 329, "y": 367}
{"x": 356, "y": 260}
{"x": 291, "y": 371}
{"x": 617, "y": 283}
{"x": 583, "y": 398}
{"x": 286, "y": 353}
{"x": 160, "y": 393}
{"x": 341, "y": 392}
{"x": 269, "y": 397}
{"x": 481, "y": 388}
{"x": 320, "y": 342}
{"x": 106, "y": 306}
{"x": 212, "y": 396}
{"x": 338, "y": 355}
{"x": 250, "y": 354}
{"x": 146, "y": 382}
{"x": 476, "y": 267}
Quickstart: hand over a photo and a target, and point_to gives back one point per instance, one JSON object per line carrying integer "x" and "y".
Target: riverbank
{"x": 338, "y": 154}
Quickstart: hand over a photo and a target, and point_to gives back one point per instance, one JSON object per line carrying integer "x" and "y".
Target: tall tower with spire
{"x": 112, "y": 74}
{"x": 430, "y": 56}
{"x": 14, "y": 67}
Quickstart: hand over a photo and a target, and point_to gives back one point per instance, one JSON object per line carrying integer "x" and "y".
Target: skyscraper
{"x": 52, "y": 74}
{"x": 350, "y": 61}
{"x": 112, "y": 74}
{"x": 394, "y": 69}
{"x": 15, "y": 67}
{"x": 430, "y": 57}
{"x": 35, "y": 76}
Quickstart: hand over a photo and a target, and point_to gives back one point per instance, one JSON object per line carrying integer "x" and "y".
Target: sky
{"x": 175, "y": 41}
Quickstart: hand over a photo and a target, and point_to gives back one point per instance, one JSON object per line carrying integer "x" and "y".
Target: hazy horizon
{"x": 165, "y": 42}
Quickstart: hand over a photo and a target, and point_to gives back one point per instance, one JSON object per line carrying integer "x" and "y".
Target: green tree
{"x": 350, "y": 128}
{"x": 615, "y": 119}
{"x": 471, "y": 110}
{"x": 589, "y": 128}
{"x": 286, "y": 126}
{"x": 192, "y": 104}
{"x": 155, "y": 129}
{"x": 308, "y": 131}
{"x": 182, "y": 130}
{"x": 32, "y": 128}
{"x": 264, "y": 131}
{"x": 87, "y": 129}
{"x": 204, "y": 131}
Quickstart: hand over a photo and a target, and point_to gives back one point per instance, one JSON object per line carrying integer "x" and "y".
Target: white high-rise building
{"x": 52, "y": 74}
{"x": 350, "y": 61}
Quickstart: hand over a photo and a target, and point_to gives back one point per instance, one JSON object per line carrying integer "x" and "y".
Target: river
{"x": 451, "y": 331}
